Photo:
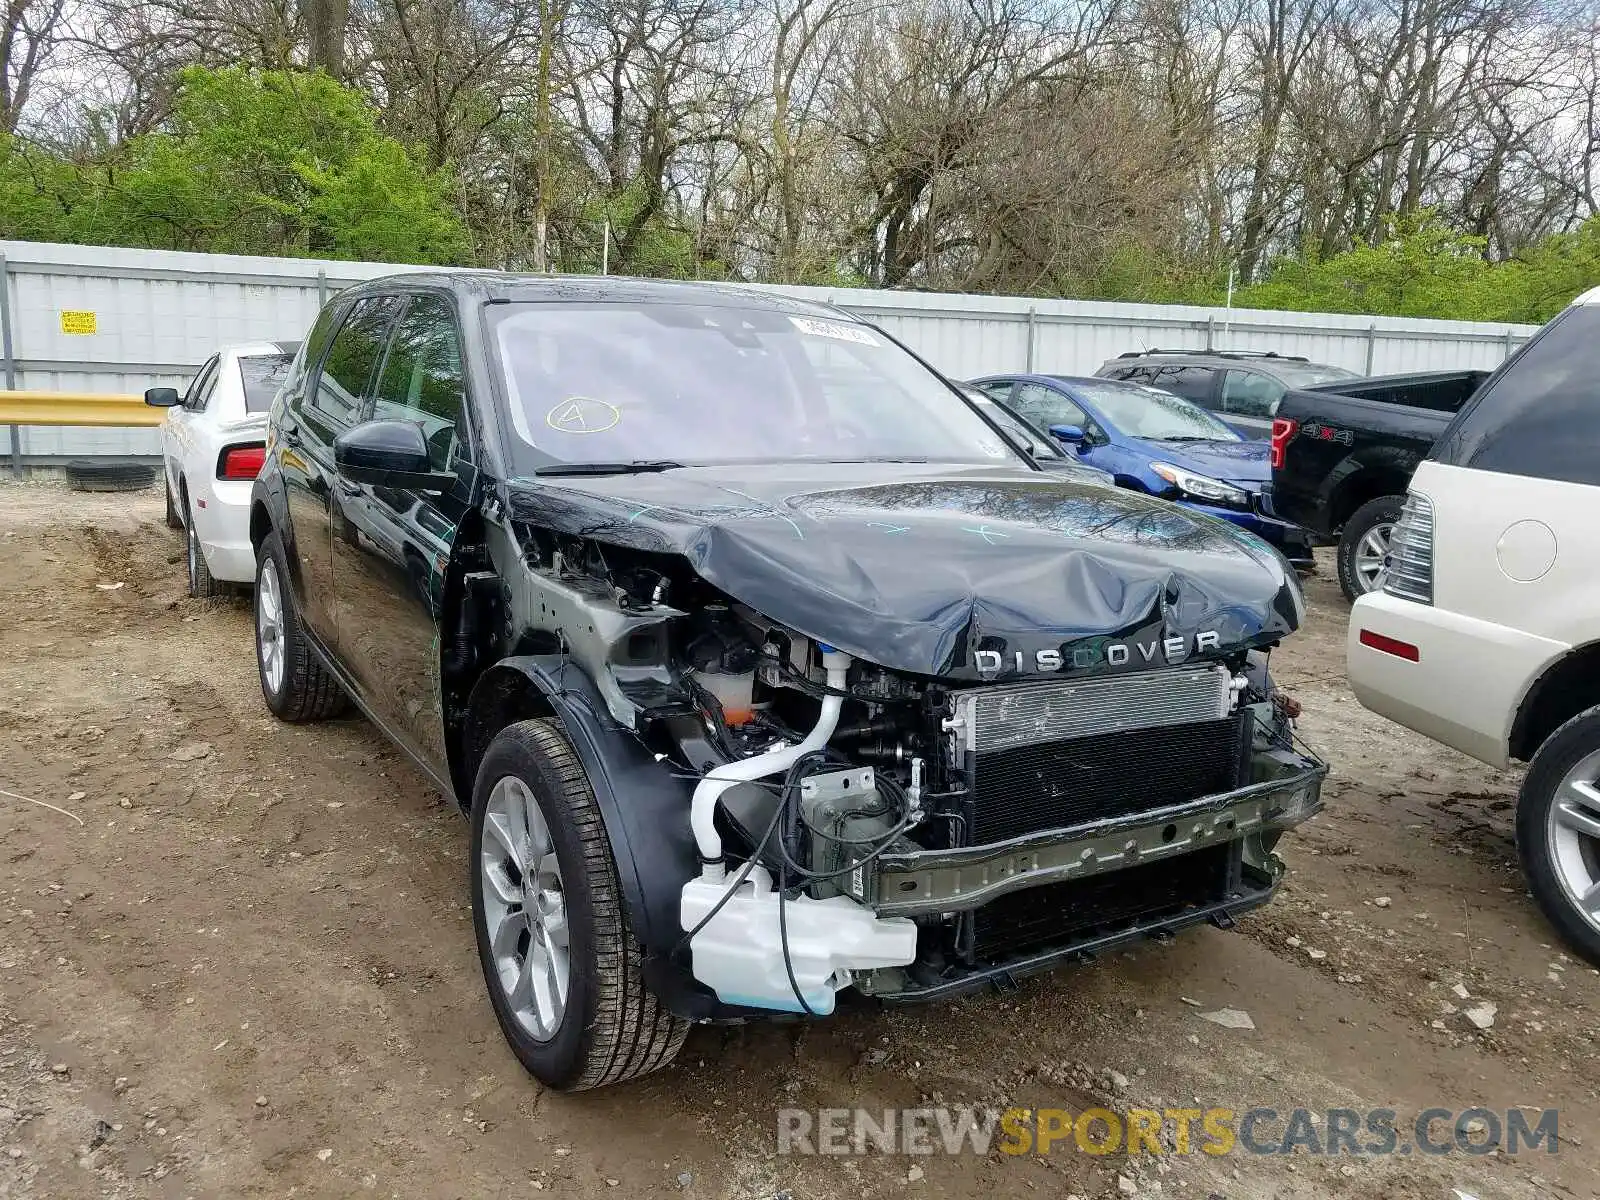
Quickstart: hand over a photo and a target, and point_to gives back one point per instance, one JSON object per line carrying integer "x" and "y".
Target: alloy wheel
{"x": 525, "y": 909}
{"x": 1573, "y": 827}
{"x": 1372, "y": 553}
{"x": 269, "y": 625}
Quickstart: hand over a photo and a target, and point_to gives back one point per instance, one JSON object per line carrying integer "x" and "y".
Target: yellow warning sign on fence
{"x": 77, "y": 322}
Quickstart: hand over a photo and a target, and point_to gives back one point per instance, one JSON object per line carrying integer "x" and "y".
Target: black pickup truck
{"x": 1343, "y": 453}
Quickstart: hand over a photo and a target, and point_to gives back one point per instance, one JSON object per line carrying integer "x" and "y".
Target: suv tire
{"x": 548, "y": 913}
{"x": 294, "y": 683}
{"x": 174, "y": 521}
{"x": 1368, "y": 527}
{"x": 1561, "y": 862}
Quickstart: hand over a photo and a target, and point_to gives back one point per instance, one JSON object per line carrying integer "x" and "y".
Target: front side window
{"x": 263, "y": 375}
{"x": 1539, "y": 415}
{"x": 701, "y": 384}
{"x": 1250, "y": 393}
{"x": 199, "y": 393}
{"x": 1308, "y": 375}
{"x": 352, "y": 359}
{"x": 1043, "y": 407}
{"x": 1192, "y": 383}
{"x": 422, "y": 379}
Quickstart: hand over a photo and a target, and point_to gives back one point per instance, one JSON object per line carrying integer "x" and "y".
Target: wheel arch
{"x": 260, "y": 525}
{"x": 1568, "y": 686}
{"x": 1361, "y": 484}
{"x": 643, "y": 805}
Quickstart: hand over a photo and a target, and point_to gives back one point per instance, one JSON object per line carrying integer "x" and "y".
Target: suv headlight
{"x": 1202, "y": 487}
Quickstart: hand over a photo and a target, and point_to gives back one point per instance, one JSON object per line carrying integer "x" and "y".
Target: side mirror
{"x": 388, "y": 453}
{"x": 162, "y": 397}
{"x": 1071, "y": 434}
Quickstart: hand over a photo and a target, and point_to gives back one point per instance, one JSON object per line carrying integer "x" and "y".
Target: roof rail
{"x": 1218, "y": 354}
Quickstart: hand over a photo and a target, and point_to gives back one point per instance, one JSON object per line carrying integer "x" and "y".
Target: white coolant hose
{"x": 703, "y": 809}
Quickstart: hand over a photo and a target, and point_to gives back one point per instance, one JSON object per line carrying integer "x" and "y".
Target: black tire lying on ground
{"x": 86, "y": 476}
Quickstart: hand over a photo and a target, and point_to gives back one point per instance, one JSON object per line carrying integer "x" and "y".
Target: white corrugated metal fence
{"x": 157, "y": 315}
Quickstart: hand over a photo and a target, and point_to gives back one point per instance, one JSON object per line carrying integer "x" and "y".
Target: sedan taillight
{"x": 241, "y": 462}
{"x": 1283, "y": 428}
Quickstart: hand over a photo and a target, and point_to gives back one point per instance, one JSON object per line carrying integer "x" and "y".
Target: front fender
{"x": 268, "y": 496}
{"x": 644, "y": 806}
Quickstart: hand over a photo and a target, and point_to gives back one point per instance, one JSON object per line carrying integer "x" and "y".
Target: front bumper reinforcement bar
{"x": 919, "y": 882}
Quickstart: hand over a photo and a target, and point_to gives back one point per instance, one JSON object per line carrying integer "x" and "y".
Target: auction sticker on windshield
{"x": 832, "y": 329}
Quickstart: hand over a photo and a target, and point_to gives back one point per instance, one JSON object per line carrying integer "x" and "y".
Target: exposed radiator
{"x": 1055, "y": 710}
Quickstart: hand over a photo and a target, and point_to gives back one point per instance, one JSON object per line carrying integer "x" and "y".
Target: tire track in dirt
{"x": 229, "y": 934}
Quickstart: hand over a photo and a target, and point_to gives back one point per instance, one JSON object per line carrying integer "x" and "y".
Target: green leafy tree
{"x": 262, "y": 162}
{"x": 1424, "y": 268}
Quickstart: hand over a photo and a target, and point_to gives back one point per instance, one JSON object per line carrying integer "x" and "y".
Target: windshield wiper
{"x": 639, "y": 466}
{"x": 1186, "y": 437}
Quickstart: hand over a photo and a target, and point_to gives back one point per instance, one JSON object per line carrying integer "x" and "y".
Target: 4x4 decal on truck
{"x": 1327, "y": 433}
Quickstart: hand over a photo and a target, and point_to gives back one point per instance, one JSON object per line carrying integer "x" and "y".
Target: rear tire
{"x": 1558, "y": 832}
{"x": 201, "y": 585}
{"x": 1366, "y": 534}
{"x": 607, "y": 1026}
{"x": 295, "y": 685}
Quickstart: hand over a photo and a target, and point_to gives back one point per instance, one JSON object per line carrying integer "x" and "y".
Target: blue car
{"x": 1152, "y": 441}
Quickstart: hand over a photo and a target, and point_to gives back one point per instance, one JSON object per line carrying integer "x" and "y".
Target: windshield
{"x": 263, "y": 374}
{"x": 1299, "y": 377}
{"x": 697, "y": 384}
{"x": 1144, "y": 412}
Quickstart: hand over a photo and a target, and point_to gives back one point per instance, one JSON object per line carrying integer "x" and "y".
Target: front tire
{"x": 1364, "y": 544}
{"x": 561, "y": 964}
{"x": 1558, "y": 831}
{"x": 295, "y": 685}
{"x": 174, "y": 520}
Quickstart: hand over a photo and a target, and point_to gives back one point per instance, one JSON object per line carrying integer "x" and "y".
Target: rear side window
{"x": 1540, "y": 414}
{"x": 352, "y": 359}
{"x": 263, "y": 375}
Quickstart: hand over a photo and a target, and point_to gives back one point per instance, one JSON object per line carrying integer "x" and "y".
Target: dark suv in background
{"x": 1243, "y": 387}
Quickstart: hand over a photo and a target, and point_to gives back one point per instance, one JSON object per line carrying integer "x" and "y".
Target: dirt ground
{"x": 250, "y": 972}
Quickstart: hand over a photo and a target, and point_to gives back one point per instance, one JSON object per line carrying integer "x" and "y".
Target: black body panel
{"x": 1360, "y": 439}
{"x": 916, "y": 568}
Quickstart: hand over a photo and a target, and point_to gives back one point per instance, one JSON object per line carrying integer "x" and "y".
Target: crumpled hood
{"x": 919, "y": 567}
{"x": 1248, "y": 464}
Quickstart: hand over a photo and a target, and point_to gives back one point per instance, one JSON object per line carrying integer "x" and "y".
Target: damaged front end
{"x": 987, "y": 793}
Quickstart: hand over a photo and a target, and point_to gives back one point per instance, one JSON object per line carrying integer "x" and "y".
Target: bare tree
{"x": 29, "y": 37}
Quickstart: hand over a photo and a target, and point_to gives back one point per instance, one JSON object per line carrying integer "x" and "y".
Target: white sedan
{"x": 213, "y": 442}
